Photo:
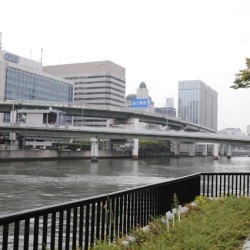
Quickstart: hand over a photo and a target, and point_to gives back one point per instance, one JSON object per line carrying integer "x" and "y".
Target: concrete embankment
{"x": 39, "y": 154}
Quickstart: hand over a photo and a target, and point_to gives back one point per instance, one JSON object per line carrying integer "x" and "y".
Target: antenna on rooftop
{"x": 0, "y": 40}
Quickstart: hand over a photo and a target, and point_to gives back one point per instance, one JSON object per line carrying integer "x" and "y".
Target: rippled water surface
{"x": 25, "y": 185}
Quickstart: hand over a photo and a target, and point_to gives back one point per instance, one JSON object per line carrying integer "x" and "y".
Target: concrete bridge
{"x": 95, "y": 133}
{"x": 122, "y": 114}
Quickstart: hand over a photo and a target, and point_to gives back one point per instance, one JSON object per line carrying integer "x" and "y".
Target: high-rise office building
{"x": 198, "y": 103}
{"x": 24, "y": 79}
{"x": 99, "y": 83}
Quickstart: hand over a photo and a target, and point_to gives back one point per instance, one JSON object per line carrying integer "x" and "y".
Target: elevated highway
{"x": 121, "y": 114}
{"x": 118, "y": 133}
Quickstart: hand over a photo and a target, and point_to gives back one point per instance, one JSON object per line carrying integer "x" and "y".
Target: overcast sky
{"x": 158, "y": 41}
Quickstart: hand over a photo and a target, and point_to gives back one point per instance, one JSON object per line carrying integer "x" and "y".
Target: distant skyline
{"x": 158, "y": 41}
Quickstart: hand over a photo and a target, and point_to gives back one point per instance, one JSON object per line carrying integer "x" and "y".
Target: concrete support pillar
{"x": 222, "y": 149}
{"x": 204, "y": 150}
{"x": 12, "y": 137}
{"x": 94, "y": 149}
{"x": 216, "y": 151}
{"x": 12, "y": 141}
{"x": 109, "y": 146}
{"x": 229, "y": 151}
{"x": 13, "y": 117}
{"x": 135, "y": 150}
{"x": 191, "y": 150}
{"x": 176, "y": 149}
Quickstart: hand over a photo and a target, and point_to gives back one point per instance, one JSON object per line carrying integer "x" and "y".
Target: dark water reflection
{"x": 25, "y": 185}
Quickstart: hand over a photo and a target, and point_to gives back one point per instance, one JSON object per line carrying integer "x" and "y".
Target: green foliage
{"x": 221, "y": 223}
{"x": 175, "y": 201}
{"x": 153, "y": 146}
{"x": 202, "y": 202}
{"x": 242, "y": 79}
{"x": 106, "y": 246}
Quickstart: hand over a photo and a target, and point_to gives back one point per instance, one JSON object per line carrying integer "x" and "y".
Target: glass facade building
{"x": 24, "y": 85}
{"x": 23, "y": 79}
{"x": 198, "y": 103}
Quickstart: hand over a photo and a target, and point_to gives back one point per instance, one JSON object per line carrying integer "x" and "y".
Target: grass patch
{"x": 222, "y": 223}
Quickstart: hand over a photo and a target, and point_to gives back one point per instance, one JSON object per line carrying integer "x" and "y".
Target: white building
{"x": 24, "y": 79}
{"x": 40, "y": 118}
{"x": 95, "y": 83}
{"x": 141, "y": 100}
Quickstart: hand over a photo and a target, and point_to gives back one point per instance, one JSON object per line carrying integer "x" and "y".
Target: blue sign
{"x": 141, "y": 103}
{"x": 11, "y": 58}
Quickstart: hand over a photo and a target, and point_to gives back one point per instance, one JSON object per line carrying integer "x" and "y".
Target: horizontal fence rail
{"x": 79, "y": 224}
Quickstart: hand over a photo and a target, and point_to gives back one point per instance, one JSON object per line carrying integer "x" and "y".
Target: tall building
{"x": 99, "y": 83}
{"x": 24, "y": 79}
{"x": 198, "y": 103}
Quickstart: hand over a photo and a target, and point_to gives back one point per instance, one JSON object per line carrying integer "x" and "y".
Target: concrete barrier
{"x": 40, "y": 154}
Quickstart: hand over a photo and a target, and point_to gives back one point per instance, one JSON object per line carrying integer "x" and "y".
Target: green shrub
{"x": 221, "y": 223}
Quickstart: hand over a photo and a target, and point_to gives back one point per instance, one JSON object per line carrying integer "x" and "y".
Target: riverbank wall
{"x": 42, "y": 154}
{"x": 39, "y": 154}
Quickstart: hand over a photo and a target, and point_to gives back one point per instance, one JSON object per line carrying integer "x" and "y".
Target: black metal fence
{"x": 78, "y": 224}
{"x": 224, "y": 184}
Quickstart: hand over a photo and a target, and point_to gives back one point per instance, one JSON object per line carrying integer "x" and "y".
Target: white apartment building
{"x": 99, "y": 83}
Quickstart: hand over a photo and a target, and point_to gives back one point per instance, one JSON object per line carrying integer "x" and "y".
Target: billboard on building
{"x": 140, "y": 103}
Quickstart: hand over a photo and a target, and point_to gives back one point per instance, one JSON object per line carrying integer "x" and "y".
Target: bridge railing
{"x": 78, "y": 224}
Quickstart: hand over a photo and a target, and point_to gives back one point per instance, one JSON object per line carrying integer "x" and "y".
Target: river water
{"x": 26, "y": 185}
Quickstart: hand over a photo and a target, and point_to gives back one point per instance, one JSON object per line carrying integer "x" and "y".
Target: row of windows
{"x": 100, "y": 93}
{"x": 89, "y": 120}
{"x": 28, "y": 86}
{"x": 97, "y": 98}
{"x": 103, "y": 82}
{"x": 99, "y": 87}
{"x": 92, "y": 77}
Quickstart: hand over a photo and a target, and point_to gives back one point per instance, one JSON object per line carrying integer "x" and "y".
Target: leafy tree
{"x": 242, "y": 79}
{"x": 153, "y": 146}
